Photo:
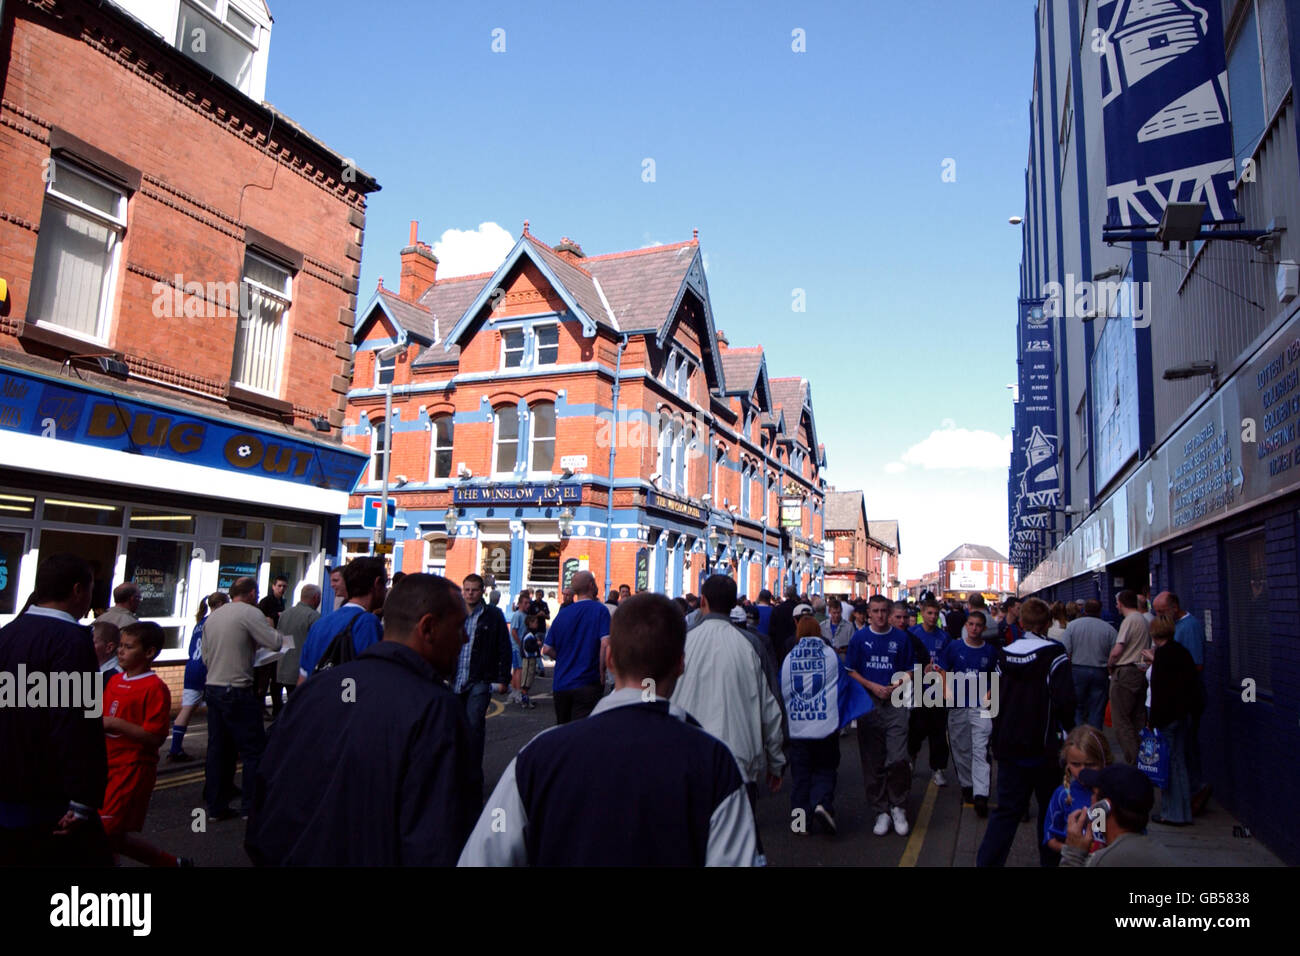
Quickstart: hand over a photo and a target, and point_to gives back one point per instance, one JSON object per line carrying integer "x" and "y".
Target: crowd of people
{"x": 671, "y": 716}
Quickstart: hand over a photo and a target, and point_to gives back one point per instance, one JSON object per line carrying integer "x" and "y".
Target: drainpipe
{"x": 613, "y": 446}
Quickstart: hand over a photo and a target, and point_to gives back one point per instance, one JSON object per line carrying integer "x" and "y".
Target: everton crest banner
{"x": 1035, "y": 471}
{"x": 1164, "y": 94}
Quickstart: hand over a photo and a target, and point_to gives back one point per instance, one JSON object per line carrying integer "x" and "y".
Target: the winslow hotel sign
{"x": 678, "y": 507}
{"x": 534, "y": 493}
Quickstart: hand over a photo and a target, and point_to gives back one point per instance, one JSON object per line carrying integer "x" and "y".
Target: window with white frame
{"x": 663, "y": 466}
{"x": 512, "y": 348}
{"x": 506, "y": 451}
{"x": 384, "y": 370}
{"x": 435, "y": 556}
{"x": 220, "y": 37}
{"x": 542, "y": 437}
{"x": 259, "y": 338}
{"x": 746, "y": 479}
{"x": 683, "y": 384}
{"x": 547, "y": 339}
{"x": 77, "y": 251}
{"x": 380, "y": 442}
{"x": 679, "y": 460}
{"x": 442, "y": 430}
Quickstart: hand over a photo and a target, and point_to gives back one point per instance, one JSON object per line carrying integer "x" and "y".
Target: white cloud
{"x": 953, "y": 448}
{"x": 463, "y": 252}
{"x": 895, "y": 467}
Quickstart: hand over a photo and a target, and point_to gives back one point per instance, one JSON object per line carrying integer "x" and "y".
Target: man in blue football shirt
{"x": 576, "y": 643}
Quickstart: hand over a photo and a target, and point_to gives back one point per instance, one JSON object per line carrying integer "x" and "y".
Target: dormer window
{"x": 220, "y": 37}
{"x": 513, "y": 342}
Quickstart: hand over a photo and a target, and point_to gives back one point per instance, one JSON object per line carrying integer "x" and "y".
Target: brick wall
{"x": 207, "y": 176}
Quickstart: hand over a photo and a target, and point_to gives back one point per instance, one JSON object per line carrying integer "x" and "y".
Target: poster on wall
{"x": 566, "y": 576}
{"x": 227, "y": 574}
{"x": 642, "y": 569}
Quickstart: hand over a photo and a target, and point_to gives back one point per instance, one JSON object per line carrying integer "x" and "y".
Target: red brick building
{"x": 847, "y": 572}
{"x": 181, "y": 262}
{"x": 973, "y": 568}
{"x": 883, "y": 549}
{"x": 581, "y": 412}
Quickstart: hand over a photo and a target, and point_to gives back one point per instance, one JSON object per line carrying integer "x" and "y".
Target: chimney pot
{"x": 415, "y": 227}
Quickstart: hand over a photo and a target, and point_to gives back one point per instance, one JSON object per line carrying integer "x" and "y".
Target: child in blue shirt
{"x": 1085, "y": 749}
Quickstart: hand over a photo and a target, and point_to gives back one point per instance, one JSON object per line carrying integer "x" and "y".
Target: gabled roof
{"x": 794, "y": 397}
{"x": 740, "y": 368}
{"x": 844, "y": 509}
{"x": 975, "y": 552}
{"x": 886, "y": 532}
{"x": 643, "y": 286}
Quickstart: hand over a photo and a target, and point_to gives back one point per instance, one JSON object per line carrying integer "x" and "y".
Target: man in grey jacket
{"x": 1121, "y": 804}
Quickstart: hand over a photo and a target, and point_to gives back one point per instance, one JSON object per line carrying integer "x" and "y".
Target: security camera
{"x": 462, "y": 471}
{"x": 400, "y": 479}
{"x": 706, "y": 497}
{"x": 732, "y": 508}
{"x": 654, "y": 478}
{"x": 567, "y": 473}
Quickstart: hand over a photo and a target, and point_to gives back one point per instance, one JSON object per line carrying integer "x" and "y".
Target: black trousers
{"x": 577, "y": 703}
{"x": 929, "y": 723}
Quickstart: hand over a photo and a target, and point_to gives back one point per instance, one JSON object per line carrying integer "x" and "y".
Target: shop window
{"x": 17, "y": 506}
{"x": 82, "y": 512}
{"x": 259, "y": 337}
{"x": 543, "y": 564}
{"x": 442, "y": 430}
{"x": 77, "y": 251}
{"x": 158, "y": 567}
{"x": 13, "y": 545}
{"x": 150, "y": 519}
{"x": 237, "y": 562}
{"x": 507, "y": 440}
{"x": 1250, "y": 629}
{"x": 496, "y": 559}
{"x": 543, "y": 438}
{"x": 246, "y": 530}
{"x": 303, "y": 535}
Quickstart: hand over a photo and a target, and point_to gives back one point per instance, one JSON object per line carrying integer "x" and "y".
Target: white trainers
{"x": 940, "y": 780}
{"x": 882, "y": 825}
{"x": 900, "y": 821}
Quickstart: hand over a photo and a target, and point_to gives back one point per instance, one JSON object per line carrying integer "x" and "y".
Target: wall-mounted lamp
{"x": 565, "y": 521}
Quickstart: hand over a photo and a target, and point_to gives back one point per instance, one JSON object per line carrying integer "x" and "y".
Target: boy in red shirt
{"x": 137, "y": 712}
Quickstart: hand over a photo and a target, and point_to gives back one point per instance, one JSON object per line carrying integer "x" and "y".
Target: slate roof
{"x": 976, "y": 552}
{"x": 740, "y": 368}
{"x": 788, "y": 396}
{"x": 886, "y": 532}
{"x": 417, "y": 321}
{"x": 576, "y": 281}
{"x": 641, "y": 285}
{"x": 843, "y": 509}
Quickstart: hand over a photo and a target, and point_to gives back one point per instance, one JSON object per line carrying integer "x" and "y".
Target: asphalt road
{"x": 944, "y": 833}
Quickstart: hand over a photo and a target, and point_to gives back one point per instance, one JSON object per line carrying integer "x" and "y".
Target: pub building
{"x": 174, "y": 347}
{"x": 504, "y": 455}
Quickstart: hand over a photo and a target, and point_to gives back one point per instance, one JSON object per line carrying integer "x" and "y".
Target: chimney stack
{"x": 722, "y": 339}
{"x": 570, "y": 251}
{"x": 419, "y": 267}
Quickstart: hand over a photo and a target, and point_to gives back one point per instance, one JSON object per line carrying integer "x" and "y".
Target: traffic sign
{"x": 371, "y": 506}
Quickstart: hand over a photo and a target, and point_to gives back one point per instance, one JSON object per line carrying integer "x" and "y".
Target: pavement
{"x": 943, "y": 832}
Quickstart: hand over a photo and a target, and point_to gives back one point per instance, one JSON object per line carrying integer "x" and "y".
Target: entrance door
{"x": 543, "y": 569}
{"x": 291, "y": 564}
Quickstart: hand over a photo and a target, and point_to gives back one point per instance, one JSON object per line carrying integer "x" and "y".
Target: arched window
{"x": 440, "y": 450}
{"x": 746, "y": 479}
{"x": 542, "y": 435}
{"x": 679, "y": 461}
{"x": 507, "y": 440}
{"x": 664, "y": 466}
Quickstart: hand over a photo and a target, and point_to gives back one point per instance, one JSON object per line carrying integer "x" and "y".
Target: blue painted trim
{"x": 1063, "y": 409}
{"x": 377, "y": 302}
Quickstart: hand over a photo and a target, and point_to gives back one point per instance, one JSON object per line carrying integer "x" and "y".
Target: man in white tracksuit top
{"x": 725, "y": 689}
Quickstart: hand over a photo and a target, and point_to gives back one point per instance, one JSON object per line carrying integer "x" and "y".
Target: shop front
{"x": 179, "y": 502}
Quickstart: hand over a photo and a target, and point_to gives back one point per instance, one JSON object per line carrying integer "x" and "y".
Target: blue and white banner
{"x": 1164, "y": 94}
{"x": 1035, "y": 472}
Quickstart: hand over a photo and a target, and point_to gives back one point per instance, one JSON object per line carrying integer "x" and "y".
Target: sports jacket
{"x": 1035, "y": 699}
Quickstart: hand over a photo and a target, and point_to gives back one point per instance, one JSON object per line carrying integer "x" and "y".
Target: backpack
{"x": 340, "y": 650}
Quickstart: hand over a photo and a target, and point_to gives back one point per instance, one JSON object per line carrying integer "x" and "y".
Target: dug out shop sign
{"x": 63, "y": 411}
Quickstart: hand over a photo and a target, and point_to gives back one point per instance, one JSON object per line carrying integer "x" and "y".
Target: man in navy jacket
{"x": 483, "y": 666}
{"x": 371, "y": 763}
{"x": 637, "y": 783}
{"x": 55, "y": 765}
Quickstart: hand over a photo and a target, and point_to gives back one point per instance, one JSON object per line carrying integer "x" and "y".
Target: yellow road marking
{"x": 180, "y": 780}
{"x": 496, "y": 709}
{"x": 914, "y": 842}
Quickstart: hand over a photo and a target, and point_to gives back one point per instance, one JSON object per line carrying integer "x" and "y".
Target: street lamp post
{"x": 383, "y": 355}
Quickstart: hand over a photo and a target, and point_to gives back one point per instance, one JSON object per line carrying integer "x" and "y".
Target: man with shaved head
{"x": 576, "y": 642}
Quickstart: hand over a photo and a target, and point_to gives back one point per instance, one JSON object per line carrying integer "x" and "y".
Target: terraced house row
{"x": 572, "y": 412}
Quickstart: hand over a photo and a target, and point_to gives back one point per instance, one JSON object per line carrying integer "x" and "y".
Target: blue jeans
{"x": 234, "y": 725}
{"x": 475, "y": 699}
{"x": 1176, "y": 798}
{"x": 813, "y": 767}
{"x": 1091, "y": 690}
{"x": 1015, "y": 784}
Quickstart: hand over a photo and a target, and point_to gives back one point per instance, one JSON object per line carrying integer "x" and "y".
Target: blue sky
{"x": 819, "y": 170}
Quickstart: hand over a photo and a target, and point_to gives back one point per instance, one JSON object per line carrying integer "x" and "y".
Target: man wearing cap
{"x": 1125, "y": 795}
{"x": 798, "y": 614}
